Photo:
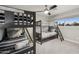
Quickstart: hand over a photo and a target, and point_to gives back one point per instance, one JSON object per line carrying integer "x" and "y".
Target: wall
{"x": 46, "y": 20}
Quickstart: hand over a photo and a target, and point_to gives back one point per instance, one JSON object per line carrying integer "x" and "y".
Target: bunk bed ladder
{"x": 28, "y": 34}
{"x": 60, "y": 34}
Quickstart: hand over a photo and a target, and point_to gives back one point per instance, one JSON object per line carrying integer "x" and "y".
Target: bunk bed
{"x": 42, "y": 36}
{"x": 13, "y": 20}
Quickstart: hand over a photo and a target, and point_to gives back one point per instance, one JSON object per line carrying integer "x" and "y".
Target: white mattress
{"x": 48, "y": 34}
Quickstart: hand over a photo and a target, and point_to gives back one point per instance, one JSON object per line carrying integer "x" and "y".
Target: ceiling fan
{"x": 47, "y": 10}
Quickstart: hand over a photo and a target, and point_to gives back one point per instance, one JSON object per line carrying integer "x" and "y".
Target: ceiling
{"x": 58, "y": 10}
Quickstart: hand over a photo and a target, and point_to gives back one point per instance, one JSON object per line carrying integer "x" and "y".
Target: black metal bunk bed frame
{"x": 10, "y": 20}
{"x": 39, "y": 35}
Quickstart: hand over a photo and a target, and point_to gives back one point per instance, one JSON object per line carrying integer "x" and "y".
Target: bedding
{"x": 21, "y": 44}
{"x": 12, "y": 33}
{"x": 48, "y": 34}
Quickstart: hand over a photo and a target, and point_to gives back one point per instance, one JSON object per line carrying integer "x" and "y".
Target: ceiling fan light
{"x": 46, "y": 11}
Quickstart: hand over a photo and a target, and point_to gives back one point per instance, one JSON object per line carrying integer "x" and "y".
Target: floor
{"x": 57, "y": 47}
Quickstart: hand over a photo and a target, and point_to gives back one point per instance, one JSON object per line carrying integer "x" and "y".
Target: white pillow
{"x": 53, "y": 30}
{"x": 14, "y": 34}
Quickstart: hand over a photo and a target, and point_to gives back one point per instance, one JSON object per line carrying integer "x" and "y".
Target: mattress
{"x": 48, "y": 34}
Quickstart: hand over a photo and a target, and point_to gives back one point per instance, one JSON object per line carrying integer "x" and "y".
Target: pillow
{"x": 53, "y": 30}
{"x": 12, "y": 33}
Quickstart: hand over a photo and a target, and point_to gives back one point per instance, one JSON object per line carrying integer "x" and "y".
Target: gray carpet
{"x": 57, "y": 47}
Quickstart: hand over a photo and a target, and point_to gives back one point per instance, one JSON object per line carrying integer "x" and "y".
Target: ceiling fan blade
{"x": 52, "y": 7}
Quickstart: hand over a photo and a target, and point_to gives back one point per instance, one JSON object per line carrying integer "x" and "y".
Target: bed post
{"x": 41, "y": 30}
{"x": 34, "y": 32}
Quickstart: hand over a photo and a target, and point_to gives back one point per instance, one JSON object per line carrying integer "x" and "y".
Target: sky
{"x": 68, "y": 20}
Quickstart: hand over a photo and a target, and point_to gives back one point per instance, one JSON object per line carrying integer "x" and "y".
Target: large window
{"x": 68, "y": 22}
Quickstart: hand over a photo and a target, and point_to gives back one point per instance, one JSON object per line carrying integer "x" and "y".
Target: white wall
{"x": 46, "y": 20}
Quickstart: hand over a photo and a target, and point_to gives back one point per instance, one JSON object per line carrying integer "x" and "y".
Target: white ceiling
{"x": 58, "y": 10}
